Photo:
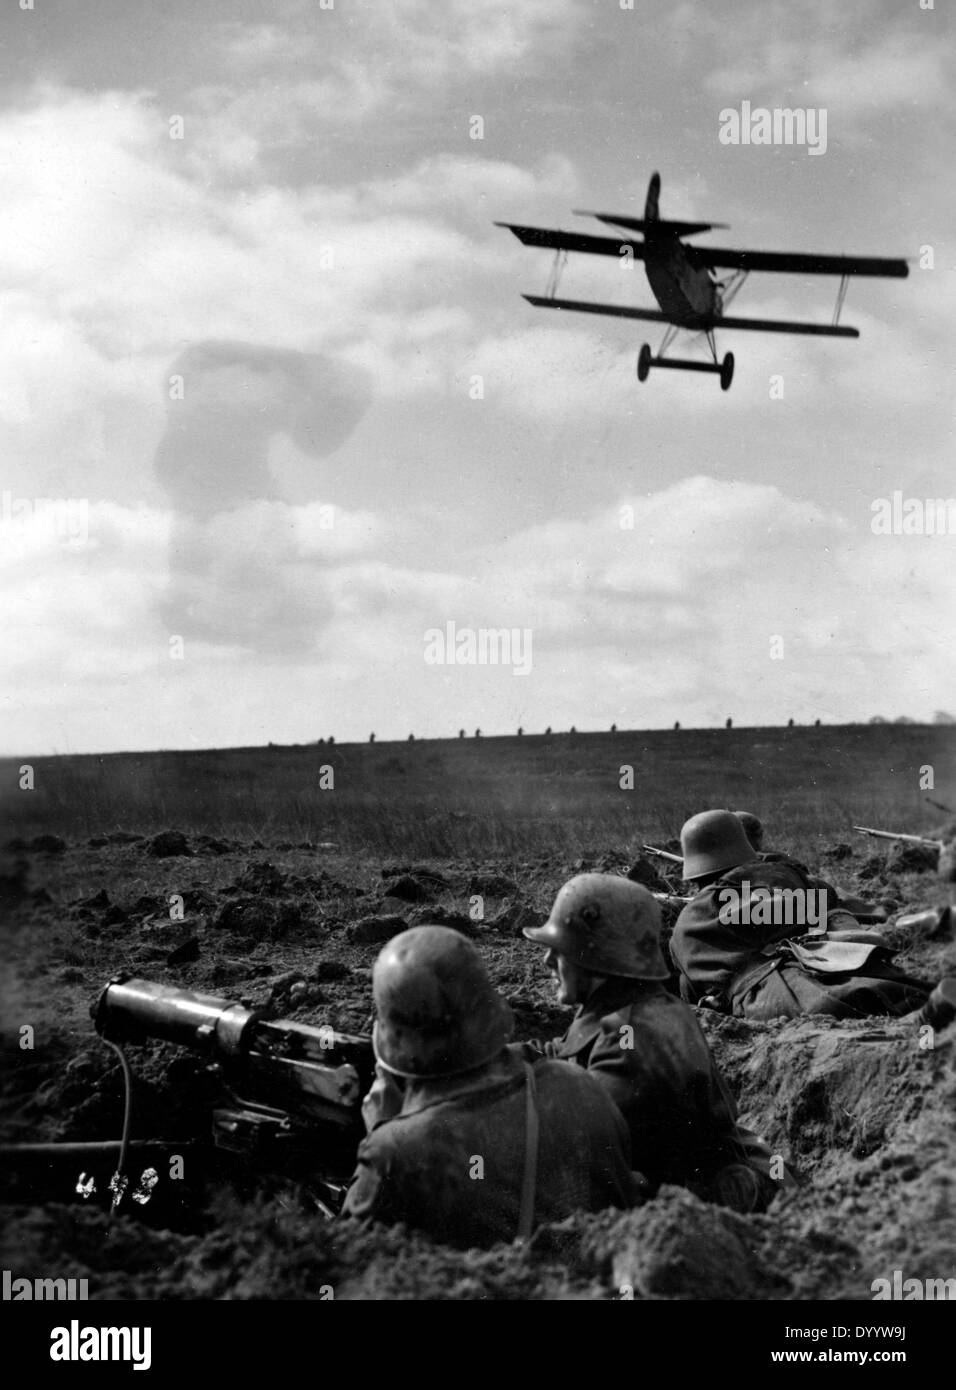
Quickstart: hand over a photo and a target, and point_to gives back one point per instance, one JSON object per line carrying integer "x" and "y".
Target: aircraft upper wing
{"x": 797, "y": 263}
{"x": 575, "y": 241}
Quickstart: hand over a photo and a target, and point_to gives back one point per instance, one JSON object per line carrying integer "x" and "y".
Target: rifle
{"x": 892, "y": 835}
{"x": 662, "y": 854}
{"x": 291, "y": 1093}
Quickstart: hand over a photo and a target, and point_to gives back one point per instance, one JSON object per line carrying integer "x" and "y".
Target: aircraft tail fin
{"x": 652, "y": 222}
{"x": 653, "y": 198}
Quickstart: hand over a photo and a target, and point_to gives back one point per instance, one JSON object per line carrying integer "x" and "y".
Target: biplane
{"x": 685, "y": 281}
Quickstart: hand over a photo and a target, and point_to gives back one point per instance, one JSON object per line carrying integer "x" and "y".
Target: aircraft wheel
{"x": 727, "y": 372}
{"x": 643, "y": 362}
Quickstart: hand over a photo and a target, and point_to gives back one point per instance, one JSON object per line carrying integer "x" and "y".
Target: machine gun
{"x": 291, "y": 1093}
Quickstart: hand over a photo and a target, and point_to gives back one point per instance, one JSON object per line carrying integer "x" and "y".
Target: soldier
{"x": 644, "y": 1045}
{"x": 753, "y": 828}
{"x": 738, "y": 947}
{"x": 484, "y": 1144}
{"x": 858, "y": 907}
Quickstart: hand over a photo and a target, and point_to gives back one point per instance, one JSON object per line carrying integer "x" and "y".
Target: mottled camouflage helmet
{"x": 607, "y": 925}
{"x": 438, "y": 1013}
{"x": 713, "y": 841}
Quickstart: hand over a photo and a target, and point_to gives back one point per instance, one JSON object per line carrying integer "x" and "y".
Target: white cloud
{"x": 673, "y": 617}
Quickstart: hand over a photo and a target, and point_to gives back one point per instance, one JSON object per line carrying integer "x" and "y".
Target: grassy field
{"x": 501, "y": 796}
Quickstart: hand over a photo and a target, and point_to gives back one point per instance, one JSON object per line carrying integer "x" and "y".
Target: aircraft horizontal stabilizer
{"x": 575, "y": 241}
{"x": 659, "y": 224}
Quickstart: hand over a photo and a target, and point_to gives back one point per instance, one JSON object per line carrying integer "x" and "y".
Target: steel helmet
{"x": 713, "y": 841}
{"x": 438, "y": 1013}
{"x": 753, "y": 827}
{"x": 605, "y": 924}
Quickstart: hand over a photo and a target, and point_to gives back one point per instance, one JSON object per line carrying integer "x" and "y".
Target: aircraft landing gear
{"x": 646, "y": 360}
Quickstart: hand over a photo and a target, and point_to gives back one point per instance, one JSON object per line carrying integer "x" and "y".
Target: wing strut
{"x": 732, "y": 286}
{"x": 557, "y": 270}
{"x": 841, "y": 296}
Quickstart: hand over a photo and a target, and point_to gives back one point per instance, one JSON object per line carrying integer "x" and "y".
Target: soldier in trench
{"x": 469, "y": 1140}
{"x": 645, "y": 1046}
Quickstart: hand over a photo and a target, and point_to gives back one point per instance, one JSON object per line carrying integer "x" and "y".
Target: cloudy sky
{"x": 261, "y": 340}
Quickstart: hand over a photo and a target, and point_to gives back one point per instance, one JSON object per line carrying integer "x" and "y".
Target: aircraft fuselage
{"x": 685, "y": 292}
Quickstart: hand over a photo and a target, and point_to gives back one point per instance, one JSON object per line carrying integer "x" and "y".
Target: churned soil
{"x": 863, "y": 1110}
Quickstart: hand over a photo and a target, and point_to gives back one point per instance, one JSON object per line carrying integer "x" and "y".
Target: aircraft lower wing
{"x": 620, "y": 311}
{"x": 797, "y": 263}
{"x": 623, "y": 311}
{"x": 819, "y": 330}
{"x": 575, "y": 241}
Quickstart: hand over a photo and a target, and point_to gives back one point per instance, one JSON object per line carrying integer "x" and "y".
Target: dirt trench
{"x": 863, "y": 1110}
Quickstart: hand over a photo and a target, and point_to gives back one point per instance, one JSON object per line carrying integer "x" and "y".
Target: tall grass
{"x": 508, "y": 798}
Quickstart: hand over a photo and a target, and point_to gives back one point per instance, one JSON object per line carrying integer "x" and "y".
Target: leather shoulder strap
{"x": 529, "y": 1180}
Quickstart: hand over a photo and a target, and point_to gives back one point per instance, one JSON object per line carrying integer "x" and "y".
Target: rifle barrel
{"x": 895, "y": 835}
{"x": 662, "y": 854}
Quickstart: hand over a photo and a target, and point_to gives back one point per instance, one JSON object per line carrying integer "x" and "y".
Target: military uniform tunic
{"x": 647, "y": 1050}
{"x": 451, "y": 1162}
{"x": 745, "y": 968}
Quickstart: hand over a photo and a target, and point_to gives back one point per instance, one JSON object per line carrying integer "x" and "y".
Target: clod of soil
{"x": 186, "y": 953}
{"x": 514, "y": 917}
{"x": 13, "y": 885}
{"x": 373, "y": 930}
{"x": 96, "y": 900}
{"x": 167, "y": 844}
{"x": 905, "y": 858}
{"x": 438, "y": 916}
{"x": 492, "y": 886}
{"x": 408, "y": 889}
{"x": 644, "y": 872}
{"x": 419, "y": 871}
{"x": 208, "y": 844}
{"x": 261, "y": 878}
{"x": 259, "y": 918}
{"x": 47, "y": 844}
